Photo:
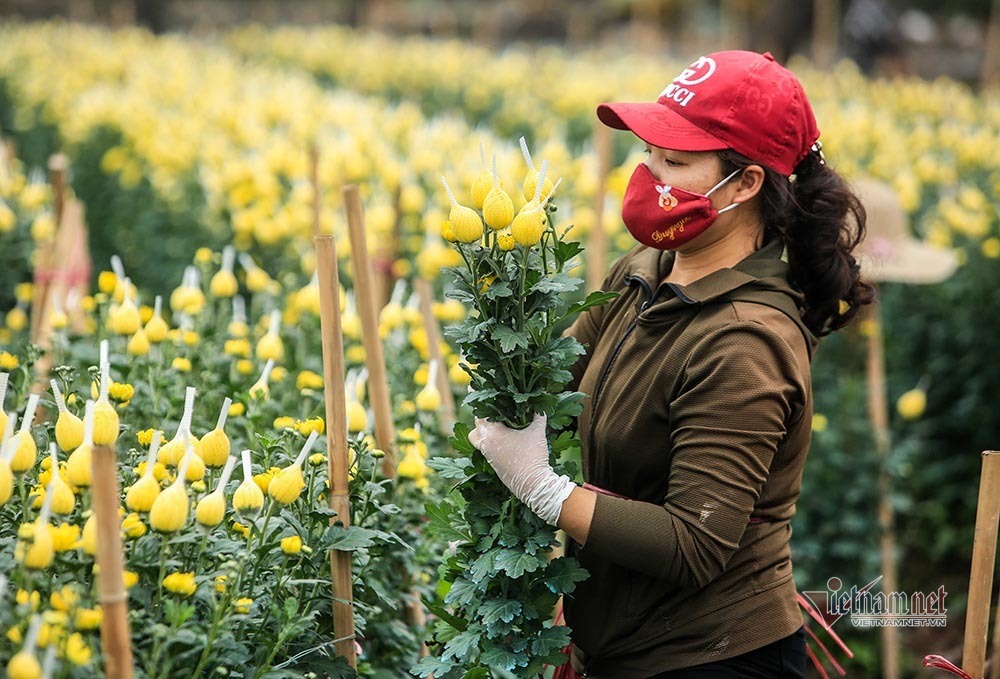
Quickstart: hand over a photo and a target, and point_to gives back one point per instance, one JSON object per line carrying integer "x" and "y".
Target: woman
{"x": 699, "y": 408}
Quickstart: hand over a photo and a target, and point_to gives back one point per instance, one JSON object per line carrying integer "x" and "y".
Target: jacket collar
{"x": 762, "y": 265}
{"x": 761, "y": 277}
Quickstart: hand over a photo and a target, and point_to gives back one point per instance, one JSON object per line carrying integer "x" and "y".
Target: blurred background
{"x": 922, "y": 37}
{"x": 187, "y": 124}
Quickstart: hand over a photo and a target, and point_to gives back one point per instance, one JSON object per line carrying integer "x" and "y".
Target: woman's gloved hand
{"x": 521, "y": 460}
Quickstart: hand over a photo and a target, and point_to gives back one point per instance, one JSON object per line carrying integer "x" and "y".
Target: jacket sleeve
{"x": 587, "y": 326}
{"x": 738, "y": 391}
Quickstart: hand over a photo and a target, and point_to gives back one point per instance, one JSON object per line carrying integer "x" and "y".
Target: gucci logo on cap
{"x": 697, "y": 72}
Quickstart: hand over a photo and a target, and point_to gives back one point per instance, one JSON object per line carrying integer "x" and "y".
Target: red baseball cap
{"x": 734, "y": 99}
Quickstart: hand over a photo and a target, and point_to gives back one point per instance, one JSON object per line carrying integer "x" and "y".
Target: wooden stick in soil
{"x": 825, "y": 34}
{"x": 446, "y": 416}
{"x": 878, "y": 409}
{"x": 995, "y": 667}
{"x": 336, "y": 439}
{"x": 991, "y": 78}
{"x": 314, "y": 178}
{"x": 386, "y": 253}
{"x": 116, "y": 639}
{"x": 597, "y": 245}
{"x": 46, "y": 260}
{"x": 364, "y": 287}
{"x": 984, "y": 553}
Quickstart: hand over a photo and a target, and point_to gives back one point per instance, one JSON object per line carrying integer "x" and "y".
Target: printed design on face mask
{"x": 671, "y": 231}
{"x": 667, "y": 200}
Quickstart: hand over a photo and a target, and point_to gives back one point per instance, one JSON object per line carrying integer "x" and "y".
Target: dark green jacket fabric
{"x": 699, "y": 411}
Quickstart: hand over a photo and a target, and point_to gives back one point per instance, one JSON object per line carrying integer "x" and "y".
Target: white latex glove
{"x": 521, "y": 460}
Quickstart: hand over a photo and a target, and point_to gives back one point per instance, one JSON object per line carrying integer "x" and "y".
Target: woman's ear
{"x": 749, "y": 184}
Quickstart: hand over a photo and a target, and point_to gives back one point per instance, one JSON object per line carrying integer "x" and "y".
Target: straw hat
{"x": 889, "y": 252}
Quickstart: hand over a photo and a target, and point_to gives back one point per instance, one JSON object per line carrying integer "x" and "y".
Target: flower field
{"x": 195, "y": 160}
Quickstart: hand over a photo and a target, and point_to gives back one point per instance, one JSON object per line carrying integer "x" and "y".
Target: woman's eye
{"x": 671, "y": 163}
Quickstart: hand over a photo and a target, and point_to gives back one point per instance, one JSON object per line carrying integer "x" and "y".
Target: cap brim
{"x": 910, "y": 262}
{"x": 658, "y": 125}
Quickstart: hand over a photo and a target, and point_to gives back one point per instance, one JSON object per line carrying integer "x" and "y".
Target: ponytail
{"x": 820, "y": 220}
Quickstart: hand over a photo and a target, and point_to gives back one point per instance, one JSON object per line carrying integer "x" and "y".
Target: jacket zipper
{"x": 614, "y": 354}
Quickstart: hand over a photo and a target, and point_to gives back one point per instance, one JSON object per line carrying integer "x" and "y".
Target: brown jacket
{"x": 699, "y": 411}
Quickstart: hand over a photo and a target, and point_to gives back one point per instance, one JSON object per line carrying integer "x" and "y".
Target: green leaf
{"x": 564, "y": 441}
{"x": 498, "y": 291}
{"x": 461, "y": 295}
{"x": 483, "y": 567}
{"x": 480, "y": 395}
{"x": 495, "y": 610}
{"x": 509, "y": 339}
{"x": 550, "y": 639}
{"x": 447, "y": 617}
{"x": 460, "y": 439}
{"x": 563, "y": 574}
{"x": 566, "y": 250}
{"x": 441, "y": 524}
{"x": 461, "y": 593}
{"x": 430, "y": 665}
{"x": 464, "y": 647}
{"x": 349, "y": 539}
{"x": 520, "y": 397}
{"x": 557, "y": 283}
{"x": 451, "y": 467}
{"x": 516, "y": 562}
{"x": 501, "y": 658}
{"x": 596, "y": 298}
{"x": 477, "y": 673}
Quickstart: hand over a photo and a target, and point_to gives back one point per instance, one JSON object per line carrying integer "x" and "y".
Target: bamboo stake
{"x": 116, "y": 640}
{"x": 878, "y": 409}
{"x": 58, "y": 165}
{"x": 995, "y": 671}
{"x": 597, "y": 247}
{"x": 991, "y": 78}
{"x": 984, "y": 553}
{"x": 446, "y": 416}
{"x": 336, "y": 439}
{"x": 386, "y": 254}
{"x": 825, "y": 33}
{"x": 314, "y": 178}
{"x": 378, "y": 383}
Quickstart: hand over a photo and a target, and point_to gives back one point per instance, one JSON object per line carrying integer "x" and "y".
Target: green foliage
{"x": 498, "y": 586}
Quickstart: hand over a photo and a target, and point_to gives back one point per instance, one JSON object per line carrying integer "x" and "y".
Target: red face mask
{"x": 665, "y": 217}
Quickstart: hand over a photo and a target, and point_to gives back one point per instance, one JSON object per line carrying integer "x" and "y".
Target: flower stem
{"x": 263, "y": 536}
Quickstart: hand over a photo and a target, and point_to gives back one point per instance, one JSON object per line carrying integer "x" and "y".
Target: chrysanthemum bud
{"x": 211, "y": 510}
{"x": 105, "y": 416}
{"x": 215, "y": 445}
{"x": 78, "y": 467}
{"x": 138, "y": 344}
{"x": 63, "y": 498}
{"x": 224, "y": 283}
{"x": 466, "y": 225}
{"x": 357, "y": 417}
{"x": 270, "y": 346}
{"x": 125, "y": 320}
{"x": 249, "y": 498}
{"x": 156, "y": 328}
{"x": 23, "y": 443}
{"x": 69, "y": 427}
{"x": 170, "y": 508}
{"x": 288, "y": 484}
